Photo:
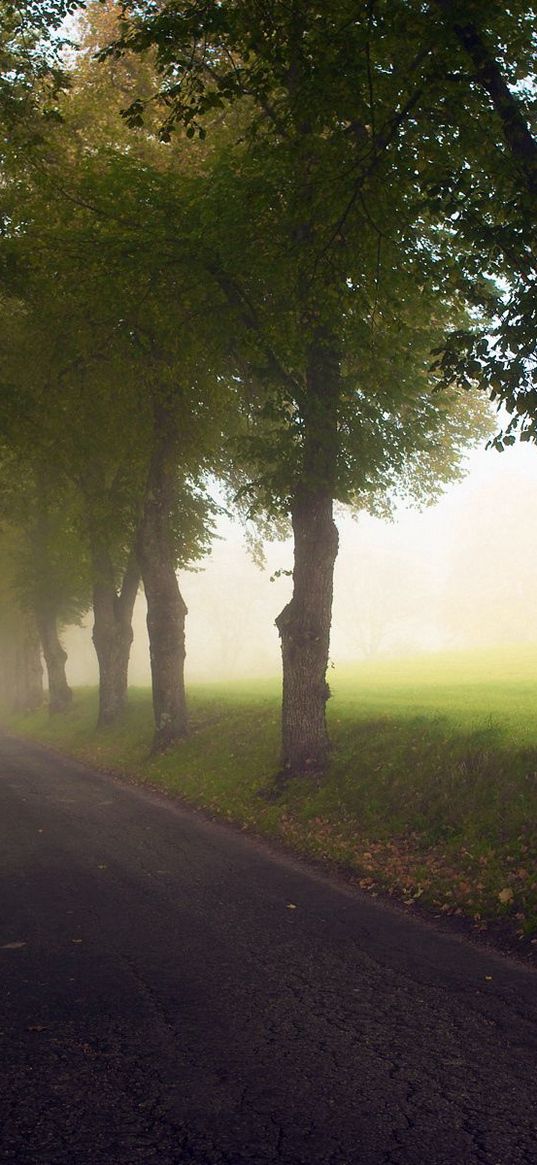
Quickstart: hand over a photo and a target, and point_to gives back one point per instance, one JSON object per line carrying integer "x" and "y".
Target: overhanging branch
{"x": 488, "y": 73}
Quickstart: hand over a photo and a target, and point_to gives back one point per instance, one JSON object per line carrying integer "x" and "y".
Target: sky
{"x": 460, "y": 574}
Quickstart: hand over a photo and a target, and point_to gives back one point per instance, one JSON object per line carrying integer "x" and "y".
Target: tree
{"x": 314, "y": 231}
{"x": 49, "y": 571}
{"x": 21, "y": 673}
{"x": 161, "y": 308}
{"x": 465, "y": 73}
{"x": 60, "y": 426}
{"x": 53, "y": 579}
{"x": 126, "y": 412}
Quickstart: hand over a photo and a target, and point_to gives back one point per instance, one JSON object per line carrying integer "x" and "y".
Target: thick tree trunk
{"x": 304, "y": 627}
{"x": 26, "y": 686}
{"x": 166, "y": 609}
{"x": 60, "y": 696}
{"x": 112, "y": 635}
{"x": 304, "y": 624}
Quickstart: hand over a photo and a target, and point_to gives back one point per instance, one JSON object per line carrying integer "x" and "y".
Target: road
{"x": 174, "y": 992}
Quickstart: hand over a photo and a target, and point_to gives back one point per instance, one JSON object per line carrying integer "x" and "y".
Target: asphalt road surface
{"x": 173, "y": 992}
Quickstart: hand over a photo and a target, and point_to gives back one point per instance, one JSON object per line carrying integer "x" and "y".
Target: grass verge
{"x": 431, "y": 795}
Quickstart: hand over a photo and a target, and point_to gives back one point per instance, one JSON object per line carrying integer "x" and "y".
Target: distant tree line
{"x": 285, "y": 248}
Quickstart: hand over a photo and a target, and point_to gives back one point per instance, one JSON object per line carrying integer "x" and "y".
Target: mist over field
{"x": 458, "y": 575}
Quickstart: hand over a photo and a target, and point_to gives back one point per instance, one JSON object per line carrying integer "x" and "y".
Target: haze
{"x": 457, "y": 575}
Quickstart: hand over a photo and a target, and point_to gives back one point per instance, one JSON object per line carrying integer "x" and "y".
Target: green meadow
{"x": 431, "y": 795}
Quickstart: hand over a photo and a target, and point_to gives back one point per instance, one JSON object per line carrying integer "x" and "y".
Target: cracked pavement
{"x": 175, "y": 992}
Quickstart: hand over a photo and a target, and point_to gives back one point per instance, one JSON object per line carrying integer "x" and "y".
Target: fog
{"x": 460, "y": 574}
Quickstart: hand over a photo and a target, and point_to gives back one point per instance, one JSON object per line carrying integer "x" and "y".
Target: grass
{"x": 431, "y": 794}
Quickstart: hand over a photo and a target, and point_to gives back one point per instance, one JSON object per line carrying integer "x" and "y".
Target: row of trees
{"x": 253, "y": 244}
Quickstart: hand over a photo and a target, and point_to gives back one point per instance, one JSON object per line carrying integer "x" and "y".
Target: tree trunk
{"x": 304, "y": 624}
{"x": 166, "y": 609}
{"x": 60, "y": 696}
{"x": 112, "y": 634}
{"x": 26, "y": 686}
{"x": 304, "y": 627}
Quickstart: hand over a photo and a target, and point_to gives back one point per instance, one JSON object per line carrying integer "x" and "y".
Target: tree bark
{"x": 304, "y": 627}
{"x": 304, "y": 624}
{"x": 166, "y": 609}
{"x": 26, "y": 685}
{"x": 112, "y": 633}
{"x": 60, "y": 696}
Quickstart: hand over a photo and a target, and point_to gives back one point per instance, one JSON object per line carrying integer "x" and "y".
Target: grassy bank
{"x": 432, "y": 790}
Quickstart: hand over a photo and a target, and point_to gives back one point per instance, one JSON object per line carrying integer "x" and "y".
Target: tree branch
{"x": 488, "y": 73}
{"x": 379, "y": 146}
{"x": 238, "y": 299}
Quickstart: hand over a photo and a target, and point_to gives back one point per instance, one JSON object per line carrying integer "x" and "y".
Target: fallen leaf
{"x": 13, "y": 946}
{"x": 506, "y": 895}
